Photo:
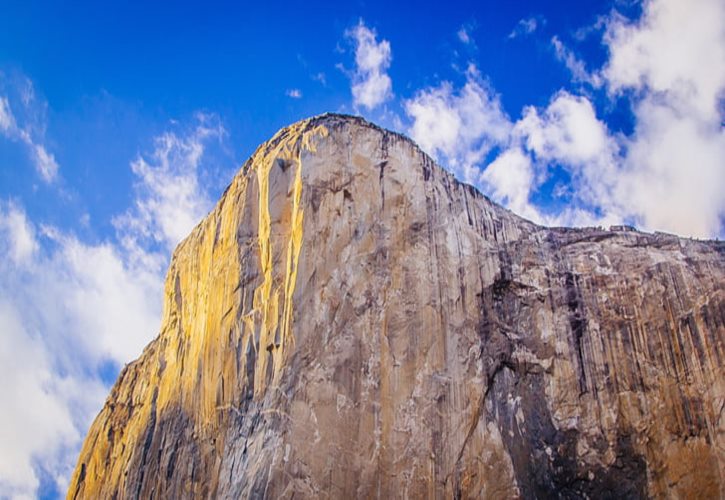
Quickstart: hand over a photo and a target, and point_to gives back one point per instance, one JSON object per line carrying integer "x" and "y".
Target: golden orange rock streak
{"x": 267, "y": 296}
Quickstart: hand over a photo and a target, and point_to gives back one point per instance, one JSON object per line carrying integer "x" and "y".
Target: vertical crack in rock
{"x": 577, "y": 322}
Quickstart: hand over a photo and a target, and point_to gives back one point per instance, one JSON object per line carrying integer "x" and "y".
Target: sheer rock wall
{"x": 350, "y": 321}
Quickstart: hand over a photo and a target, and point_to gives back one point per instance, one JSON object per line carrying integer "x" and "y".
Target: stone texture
{"x": 350, "y": 321}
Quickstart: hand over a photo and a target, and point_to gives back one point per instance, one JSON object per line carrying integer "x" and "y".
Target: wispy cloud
{"x": 321, "y": 78}
{"x": 527, "y": 26}
{"x": 463, "y": 35}
{"x": 20, "y": 243}
{"x": 170, "y": 197}
{"x": 371, "y": 85}
{"x": 26, "y": 124}
{"x": 576, "y": 66}
{"x": 294, "y": 93}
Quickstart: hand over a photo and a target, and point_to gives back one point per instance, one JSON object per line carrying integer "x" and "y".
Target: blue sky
{"x": 121, "y": 124}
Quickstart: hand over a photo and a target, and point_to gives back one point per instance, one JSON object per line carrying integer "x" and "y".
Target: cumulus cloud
{"x": 671, "y": 64}
{"x": 461, "y": 127}
{"x": 666, "y": 175}
{"x": 371, "y": 85}
{"x": 646, "y": 178}
{"x": 568, "y": 134}
{"x": 567, "y": 129}
{"x": 27, "y": 124}
{"x": 294, "y": 93}
{"x": 510, "y": 180}
{"x": 458, "y": 126}
{"x": 675, "y": 51}
{"x": 673, "y": 178}
{"x": 69, "y": 308}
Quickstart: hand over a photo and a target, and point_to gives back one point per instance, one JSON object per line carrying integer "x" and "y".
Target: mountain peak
{"x": 351, "y": 321}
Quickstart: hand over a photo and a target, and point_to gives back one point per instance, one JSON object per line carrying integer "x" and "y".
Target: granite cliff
{"x": 350, "y": 321}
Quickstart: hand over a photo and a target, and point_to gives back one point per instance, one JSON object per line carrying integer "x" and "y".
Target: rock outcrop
{"x": 350, "y": 321}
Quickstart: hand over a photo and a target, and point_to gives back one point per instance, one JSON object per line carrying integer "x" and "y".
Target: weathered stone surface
{"x": 350, "y": 321}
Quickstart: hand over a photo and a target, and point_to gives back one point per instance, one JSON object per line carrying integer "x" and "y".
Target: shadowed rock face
{"x": 350, "y": 321}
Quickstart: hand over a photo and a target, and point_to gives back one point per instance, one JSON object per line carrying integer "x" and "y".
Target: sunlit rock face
{"x": 350, "y": 321}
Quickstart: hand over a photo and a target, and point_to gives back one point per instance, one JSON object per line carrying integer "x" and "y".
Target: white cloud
{"x": 320, "y": 77}
{"x": 674, "y": 173}
{"x": 459, "y": 127}
{"x": 371, "y": 85}
{"x": 672, "y": 64}
{"x": 64, "y": 310}
{"x": 19, "y": 243}
{"x": 7, "y": 120}
{"x": 510, "y": 180}
{"x": 67, "y": 308}
{"x": 31, "y": 131}
{"x": 44, "y": 162}
{"x": 526, "y": 26}
{"x": 171, "y": 201}
{"x": 565, "y": 133}
{"x": 575, "y": 65}
{"x": 463, "y": 35}
{"x": 568, "y": 132}
{"x": 48, "y": 398}
{"x": 666, "y": 175}
{"x": 35, "y": 419}
{"x": 294, "y": 93}
{"x": 95, "y": 288}
{"x": 676, "y": 50}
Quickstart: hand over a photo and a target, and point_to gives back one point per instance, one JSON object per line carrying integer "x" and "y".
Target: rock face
{"x": 350, "y": 321}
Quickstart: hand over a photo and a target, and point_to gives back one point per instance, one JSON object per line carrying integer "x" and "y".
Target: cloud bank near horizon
{"x": 73, "y": 312}
{"x": 666, "y": 175}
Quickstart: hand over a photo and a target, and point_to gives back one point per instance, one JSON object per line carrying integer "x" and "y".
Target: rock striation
{"x": 351, "y": 321}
